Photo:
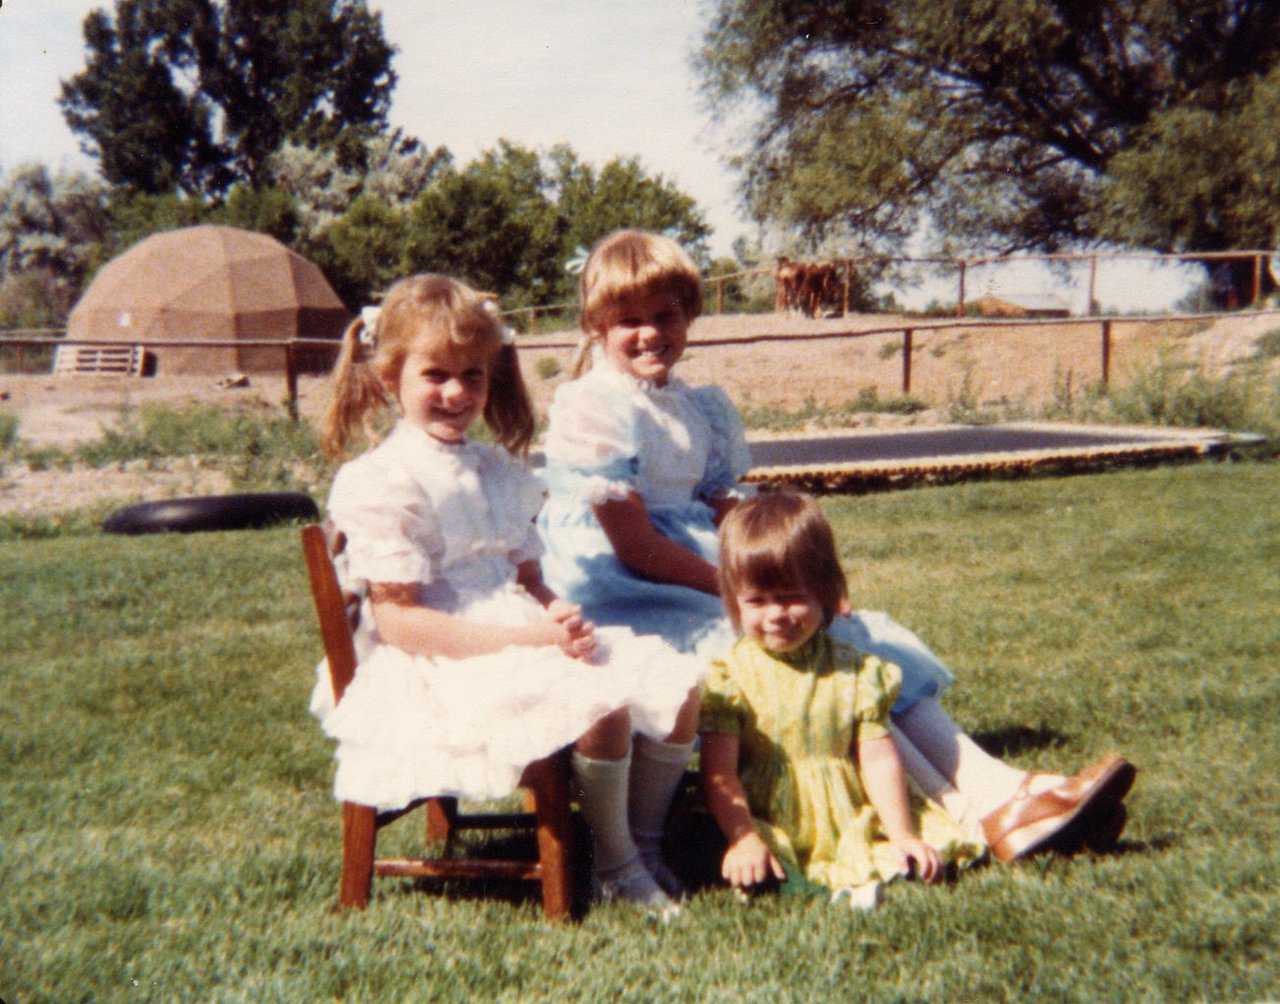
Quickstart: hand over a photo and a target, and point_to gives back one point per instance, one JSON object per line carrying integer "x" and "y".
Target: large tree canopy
{"x": 195, "y": 95}
{"x": 1013, "y": 124}
{"x": 622, "y": 194}
{"x": 508, "y": 221}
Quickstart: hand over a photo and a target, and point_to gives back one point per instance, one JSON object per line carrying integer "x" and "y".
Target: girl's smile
{"x": 443, "y": 390}
{"x": 781, "y": 620}
{"x": 647, "y": 336}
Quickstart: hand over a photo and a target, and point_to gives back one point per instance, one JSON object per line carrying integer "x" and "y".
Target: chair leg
{"x": 549, "y": 786}
{"x": 441, "y": 815}
{"x": 359, "y": 835}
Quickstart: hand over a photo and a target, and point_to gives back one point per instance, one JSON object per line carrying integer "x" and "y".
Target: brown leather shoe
{"x": 1102, "y": 835}
{"x": 1097, "y": 829}
{"x": 1028, "y": 823}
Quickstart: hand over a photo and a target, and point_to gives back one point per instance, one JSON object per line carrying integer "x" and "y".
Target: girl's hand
{"x": 576, "y": 637}
{"x": 915, "y": 852}
{"x": 748, "y": 861}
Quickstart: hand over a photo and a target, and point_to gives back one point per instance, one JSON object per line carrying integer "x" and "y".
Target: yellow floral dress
{"x": 798, "y": 718}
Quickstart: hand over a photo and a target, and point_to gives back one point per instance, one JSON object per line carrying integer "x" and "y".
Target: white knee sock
{"x": 656, "y": 770}
{"x": 604, "y": 807}
{"x": 620, "y": 875}
{"x": 986, "y": 782}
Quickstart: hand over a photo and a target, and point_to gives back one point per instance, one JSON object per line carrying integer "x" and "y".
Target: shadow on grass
{"x": 1015, "y": 739}
{"x": 1155, "y": 845}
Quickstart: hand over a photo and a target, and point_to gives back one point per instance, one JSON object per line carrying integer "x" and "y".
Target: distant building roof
{"x": 1023, "y": 305}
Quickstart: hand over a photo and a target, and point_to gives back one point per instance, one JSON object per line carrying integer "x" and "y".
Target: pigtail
{"x": 509, "y": 412}
{"x": 356, "y": 392}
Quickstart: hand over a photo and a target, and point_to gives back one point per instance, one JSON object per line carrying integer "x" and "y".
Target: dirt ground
{"x": 998, "y": 365}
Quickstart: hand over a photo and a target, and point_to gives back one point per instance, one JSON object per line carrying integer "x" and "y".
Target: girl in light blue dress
{"x": 641, "y": 467}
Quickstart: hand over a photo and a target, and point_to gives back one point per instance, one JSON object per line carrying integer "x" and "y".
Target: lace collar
{"x": 808, "y": 658}
{"x": 601, "y": 363}
{"x": 414, "y": 439}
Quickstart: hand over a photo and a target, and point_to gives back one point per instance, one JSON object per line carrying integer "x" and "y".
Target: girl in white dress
{"x": 469, "y": 666}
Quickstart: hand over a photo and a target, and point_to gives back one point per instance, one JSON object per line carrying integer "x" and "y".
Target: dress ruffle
{"x": 410, "y": 726}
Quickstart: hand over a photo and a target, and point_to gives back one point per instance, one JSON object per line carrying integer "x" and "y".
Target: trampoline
{"x": 876, "y": 460}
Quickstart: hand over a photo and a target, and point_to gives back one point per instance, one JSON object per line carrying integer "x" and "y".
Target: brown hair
{"x": 780, "y": 541}
{"x": 435, "y": 307}
{"x": 630, "y": 263}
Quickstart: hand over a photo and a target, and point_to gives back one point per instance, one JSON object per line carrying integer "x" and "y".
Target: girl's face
{"x": 443, "y": 389}
{"x": 780, "y": 620}
{"x": 646, "y": 336}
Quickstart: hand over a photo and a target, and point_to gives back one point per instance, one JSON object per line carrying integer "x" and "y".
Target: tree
{"x": 1004, "y": 120}
{"x": 363, "y": 252}
{"x": 52, "y": 229}
{"x": 1199, "y": 180}
{"x": 397, "y": 169}
{"x": 136, "y": 216}
{"x": 513, "y": 218}
{"x": 195, "y": 95}
{"x": 622, "y": 194}
{"x": 493, "y": 224}
{"x": 507, "y": 222}
{"x": 263, "y": 210}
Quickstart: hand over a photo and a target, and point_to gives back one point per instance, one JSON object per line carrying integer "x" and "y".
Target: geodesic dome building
{"x": 216, "y": 284}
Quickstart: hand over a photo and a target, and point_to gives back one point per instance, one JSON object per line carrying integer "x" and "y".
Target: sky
{"x": 608, "y": 77}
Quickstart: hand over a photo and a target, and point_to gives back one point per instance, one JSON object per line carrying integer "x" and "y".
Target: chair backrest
{"x": 337, "y": 611}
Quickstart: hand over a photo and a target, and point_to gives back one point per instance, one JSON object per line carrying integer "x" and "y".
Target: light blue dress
{"x": 677, "y": 447}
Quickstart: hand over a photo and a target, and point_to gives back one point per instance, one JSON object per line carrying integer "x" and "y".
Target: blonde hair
{"x": 448, "y": 313}
{"x": 631, "y": 263}
{"x": 780, "y": 541}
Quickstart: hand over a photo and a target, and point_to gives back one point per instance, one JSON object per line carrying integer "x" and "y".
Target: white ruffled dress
{"x": 458, "y": 519}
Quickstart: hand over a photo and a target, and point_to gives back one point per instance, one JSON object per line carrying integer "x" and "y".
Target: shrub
{"x": 159, "y": 430}
{"x": 8, "y": 431}
{"x": 1173, "y": 393}
{"x": 1268, "y": 346}
{"x": 547, "y": 367}
{"x": 869, "y": 399}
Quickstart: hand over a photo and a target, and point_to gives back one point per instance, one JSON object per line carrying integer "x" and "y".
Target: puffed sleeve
{"x": 878, "y": 683}
{"x": 519, "y": 497}
{"x": 591, "y": 445}
{"x": 391, "y": 528}
{"x": 723, "y": 705}
{"x": 729, "y": 457}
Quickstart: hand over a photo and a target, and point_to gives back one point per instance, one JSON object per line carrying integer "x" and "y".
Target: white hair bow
{"x": 369, "y": 315}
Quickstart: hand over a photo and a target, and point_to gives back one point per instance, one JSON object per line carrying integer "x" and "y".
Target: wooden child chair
{"x": 545, "y": 782}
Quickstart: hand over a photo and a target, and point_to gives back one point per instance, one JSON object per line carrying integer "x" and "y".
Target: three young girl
{"x": 469, "y": 666}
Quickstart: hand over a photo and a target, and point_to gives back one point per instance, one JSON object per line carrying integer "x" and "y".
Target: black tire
{"x": 212, "y": 512}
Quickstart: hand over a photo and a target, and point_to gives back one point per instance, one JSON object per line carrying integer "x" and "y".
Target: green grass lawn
{"x": 167, "y": 830}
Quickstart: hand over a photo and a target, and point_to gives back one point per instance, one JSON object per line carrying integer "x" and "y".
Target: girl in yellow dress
{"x": 801, "y": 773}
